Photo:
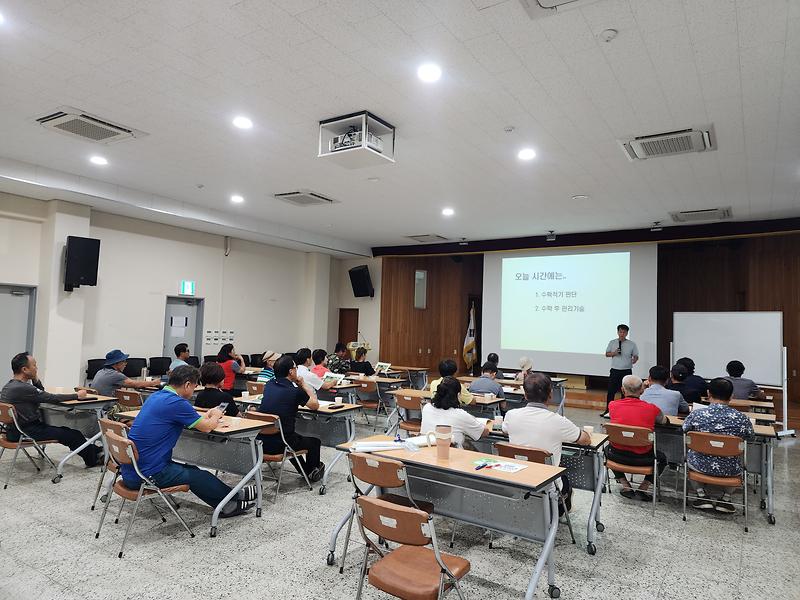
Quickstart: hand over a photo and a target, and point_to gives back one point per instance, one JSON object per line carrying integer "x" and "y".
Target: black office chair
{"x": 210, "y": 358}
{"x": 246, "y": 359}
{"x": 93, "y": 365}
{"x": 134, "y": 367}
{"x": 159, "y": 365}
{"x": 255, "y": 360}
{"x": 194, "y": 361}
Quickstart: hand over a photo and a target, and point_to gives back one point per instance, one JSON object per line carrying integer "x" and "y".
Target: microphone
{"x": 620, "y": 346}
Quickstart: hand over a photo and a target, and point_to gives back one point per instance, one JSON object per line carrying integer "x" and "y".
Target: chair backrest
{"x": 628, "y": 435}
{"x": 134, "y": 367}
{"x": 408, "y": 402}
{"x": 366, "y": 387}
{"x": 376, "y": 470}
{"x": 194, "y": 361}
{"x": 210, "y": 358}
{"x": 118, "y": 427}
{"x": 158, "y": 365}
{"x": 6, "y": 413}
{"x": 254, "y": 388}
{"x": 93, "y": 365}
{"x": 118, "y": 447}
{"x": 256, "y": 360}
{"x": 273, "y": 426}
{"x": 393, "y": 522}
{"x": 246, "y": 359}
{"x": 714, "y": 444}
{"x": 129, "y": 398}
{"x": 536, "y": 455}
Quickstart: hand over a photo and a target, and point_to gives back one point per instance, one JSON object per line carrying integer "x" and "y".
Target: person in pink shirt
{"x": 320, "y": 360}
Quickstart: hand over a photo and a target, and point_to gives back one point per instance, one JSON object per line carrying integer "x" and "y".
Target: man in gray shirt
{"x": 671, "y": 402}
{"x": 623, "y": 354}
{"x": 110, "y": 378}
{"x": 26, "y": 398}
{"x": 743, "y": 388}
{"x": 486, "y": 384}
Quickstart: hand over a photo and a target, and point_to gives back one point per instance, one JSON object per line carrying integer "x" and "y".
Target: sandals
{"x": 628, "y": 493}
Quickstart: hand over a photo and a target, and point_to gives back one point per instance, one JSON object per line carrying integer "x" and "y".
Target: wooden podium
{"x": 353, "y": 346}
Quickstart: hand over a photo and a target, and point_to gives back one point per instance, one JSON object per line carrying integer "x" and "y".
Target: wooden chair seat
{"x": 279, "y": 457}
{"x": 713, "y": 480}
{"x": 412, "y": 425}
{"x": 125, "y": 492}
{"x": 6, "y": 443}
{"x": 634, "y": 470}
{"x": 370, "y": 404}
{"x": 404, "y": 501}
{"x": 412, "y": 573}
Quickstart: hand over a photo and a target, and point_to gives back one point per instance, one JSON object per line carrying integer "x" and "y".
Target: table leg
{"x": 392, "y": 427}
{"x": 770, "y": 482}
{"x": 545, "y": 558}
{"x": 251, "y": 474}
{"x": 594, "y": 524}
{"x": 351, "y": 434}
{"x": 258, "y": 459}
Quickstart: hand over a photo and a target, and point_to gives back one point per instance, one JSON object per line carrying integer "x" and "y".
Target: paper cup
{"x": 245, "y": 394}
{"x": 338, "y": 399}
{"x": 588, "y": 429}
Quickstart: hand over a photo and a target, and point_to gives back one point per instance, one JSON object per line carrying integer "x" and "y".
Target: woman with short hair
{"x": 445, "y": 409}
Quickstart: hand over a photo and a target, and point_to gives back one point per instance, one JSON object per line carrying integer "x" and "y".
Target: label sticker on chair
{"x": 520, "y": 457}
{"x": 371, "y": 462}
{"x": 717, "y": 443}
{"x": 627, "y": 434}
{"x": 388, "y": 521}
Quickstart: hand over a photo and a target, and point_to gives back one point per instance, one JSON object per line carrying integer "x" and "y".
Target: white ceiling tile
{"x": 715, "y": 54}
{"x": 569, "y": 32}
{"x": 493, "y": 53}
{"x": 762, "y": 22}
{"x": 542, "y": 60}
{"x": 611, "y": 14}
{"x": 652, "y": 15}
{"x": 710, "y": 18}
{"x": 509, "y": 19}
{"x": 460, "y": 17}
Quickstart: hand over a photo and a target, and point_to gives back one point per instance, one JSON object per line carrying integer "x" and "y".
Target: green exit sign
{"x": 187, "y": 288}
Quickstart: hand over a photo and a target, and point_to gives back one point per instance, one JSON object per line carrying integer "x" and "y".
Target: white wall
{"x": 20, "y": 239}
{"x": 369, "y": 309}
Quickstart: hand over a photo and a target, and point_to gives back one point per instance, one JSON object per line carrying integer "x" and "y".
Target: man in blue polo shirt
{"x": 155, "y": 432}
{"x": 282, "y": 396}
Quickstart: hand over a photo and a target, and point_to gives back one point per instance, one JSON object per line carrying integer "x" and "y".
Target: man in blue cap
{"x": 110, "y": 378}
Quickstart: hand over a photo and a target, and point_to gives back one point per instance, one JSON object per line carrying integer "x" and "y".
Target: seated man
{"x": 155, "y": 432}
{"x": 318, "y": 357}
{"x": 535, "y": 426}
{"x": 281, "y": 397}
{"x": 26, "y": 396}
{"x": 486, "y": 384}
{"x": 493, "y": 358}
{"x": 361, "y": 365}
{"x": 339, "y": 361}
{"x": 181, "y": 356}
{"x": 677, "y": 383}
{"x": 111, "y": 378}
{"x": 211, "y": 376}
{"x": 631, "y": 410}
{"x": 670, "y": 402}
{"x": 267, "y": 373}
{"x": 303, "y": 360}
{"x": 718, "y": 418}
{"x": 692, "y": 381}
{"x": 448, "y": 368}
{"x": 743, "y": 388}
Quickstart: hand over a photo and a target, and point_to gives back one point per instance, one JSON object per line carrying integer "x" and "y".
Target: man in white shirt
{"x": 302, "y": 359}
{"x": 537, "y": 427}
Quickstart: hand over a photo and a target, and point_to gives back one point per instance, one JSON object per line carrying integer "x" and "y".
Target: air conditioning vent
{"x": 704, "y": 214}
{"x": 537, "y": 9}
{"x": 304, "y": 198}
{"x": 642, "y": 147}
{"x": 427, "y": 238}
{"x": 74, "y": 122}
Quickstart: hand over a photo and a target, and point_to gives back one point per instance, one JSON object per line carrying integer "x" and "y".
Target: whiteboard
{"x": 712, "y": 339}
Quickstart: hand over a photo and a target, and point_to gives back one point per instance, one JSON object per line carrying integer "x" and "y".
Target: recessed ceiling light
{"x": 242, "y": 122}
{"x": 526, "y": 154}
{"x": 580, "y": 197}
{"x": 429, "y": 72}
{"x": 448, "y": 212}
{"x": 98, "y": 160}
{"x": 236, "y": 198}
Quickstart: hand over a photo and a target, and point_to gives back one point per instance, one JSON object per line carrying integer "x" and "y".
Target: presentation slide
{"x": 564, "y": 303}
{"x": 561, "y": 306}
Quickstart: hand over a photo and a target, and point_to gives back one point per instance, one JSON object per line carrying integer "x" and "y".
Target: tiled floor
{"x": 48, "y": 550}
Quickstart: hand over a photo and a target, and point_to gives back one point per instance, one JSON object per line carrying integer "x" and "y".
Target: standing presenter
{"x": 623, "y": 354}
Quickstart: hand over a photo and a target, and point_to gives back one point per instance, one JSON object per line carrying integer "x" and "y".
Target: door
{"x": 183, "y": 322}
{"x": 348, "y": 325}
{"x": 16, "y": 316}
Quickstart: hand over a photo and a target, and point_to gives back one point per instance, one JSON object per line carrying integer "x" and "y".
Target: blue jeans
{"x": 202, "y": 484}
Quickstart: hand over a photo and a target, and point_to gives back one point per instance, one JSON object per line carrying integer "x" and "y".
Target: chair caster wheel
{"x": 553, "y": 591}
{"x": 258, "y": 512}
{"x": 119, "y": 555}
{"x": 213, "y": 532}
{"x": 763, "y": 504}
{"x": 600, "y": 527}
{"x": 746, "y": 529}
{"x": 349, "y": 478}
{"x": 771, "y": 519}
{"x": 58, "y": 478}
{"x": 684, "y": 518}
{"x": 104, "y": 498}
{"x": 591, "y": 548}
{"x": 331, "y": 559}
{"x": 322, "y": 491}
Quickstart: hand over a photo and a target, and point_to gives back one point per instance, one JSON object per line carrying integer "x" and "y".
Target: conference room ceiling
{"x": 182, "y": 70}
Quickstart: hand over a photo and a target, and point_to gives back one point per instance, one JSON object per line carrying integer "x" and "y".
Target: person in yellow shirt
{"x": 448, "y": 368}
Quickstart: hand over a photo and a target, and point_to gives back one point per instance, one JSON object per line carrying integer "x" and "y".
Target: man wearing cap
{"x": 267, "y": 374}
{"x": 110, "y": 378}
